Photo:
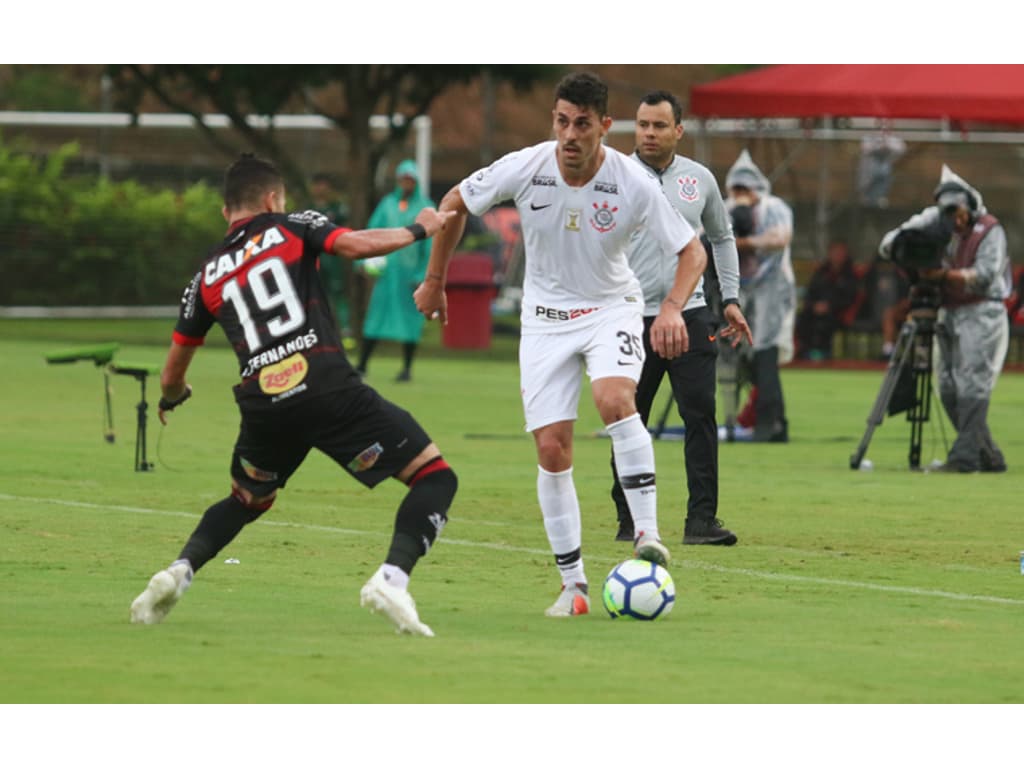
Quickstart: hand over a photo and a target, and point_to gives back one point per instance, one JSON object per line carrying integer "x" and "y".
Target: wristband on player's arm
{"x": 419, "y": 232}
{"x": 170, "y": 405}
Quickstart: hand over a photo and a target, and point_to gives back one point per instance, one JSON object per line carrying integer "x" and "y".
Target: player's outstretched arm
{"x": 364, "y": 243}
{"x": 430, "y": 297}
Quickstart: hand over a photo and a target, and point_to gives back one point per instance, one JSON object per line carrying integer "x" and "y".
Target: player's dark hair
{"x": 248, "y": 179}
{"x": 654, "y": 98}
{"x": 584, "y": 89}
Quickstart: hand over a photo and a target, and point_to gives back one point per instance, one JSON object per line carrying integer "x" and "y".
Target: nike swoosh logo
{"x": 628, "y": 362}
{"x": 539, "y": 207}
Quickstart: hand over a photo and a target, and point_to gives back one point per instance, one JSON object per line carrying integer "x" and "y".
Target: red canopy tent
{"x": 824, "y": 103}
{"x": 988, "y": 93}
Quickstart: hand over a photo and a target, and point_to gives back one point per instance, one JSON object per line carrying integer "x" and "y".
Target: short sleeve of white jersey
{"x": 499, "y": 181}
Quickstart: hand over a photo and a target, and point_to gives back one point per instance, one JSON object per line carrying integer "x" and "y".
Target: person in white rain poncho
{"x": 763, "y": 224}
{"x": 973, "y": 327}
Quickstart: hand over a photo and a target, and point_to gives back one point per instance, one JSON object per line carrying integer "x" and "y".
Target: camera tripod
{"x": 908, "y": 378}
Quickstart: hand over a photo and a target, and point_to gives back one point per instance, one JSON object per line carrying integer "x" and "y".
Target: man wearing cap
{"x": 972, "y": 329}
{"x": 767, "y": 288}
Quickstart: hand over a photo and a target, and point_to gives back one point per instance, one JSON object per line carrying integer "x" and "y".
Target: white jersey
{"x": 576, "y": 238}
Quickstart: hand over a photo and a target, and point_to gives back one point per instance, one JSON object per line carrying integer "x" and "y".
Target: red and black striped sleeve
{"x": 316, "y": 230}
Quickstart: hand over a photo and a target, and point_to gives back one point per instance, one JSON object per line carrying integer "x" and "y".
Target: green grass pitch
{"x": 887, "y": 586}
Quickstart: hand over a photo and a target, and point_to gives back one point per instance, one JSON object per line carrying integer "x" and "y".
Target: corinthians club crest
{"x": 603, "y": 219}
{"x": 688, "y": 189}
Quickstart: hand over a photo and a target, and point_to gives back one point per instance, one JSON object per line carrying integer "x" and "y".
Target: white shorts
{"x": 550, "y": 364}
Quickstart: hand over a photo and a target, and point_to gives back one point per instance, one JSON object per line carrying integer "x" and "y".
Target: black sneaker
{"x": 625, "y": 531}
{"x": 710, "y": 532}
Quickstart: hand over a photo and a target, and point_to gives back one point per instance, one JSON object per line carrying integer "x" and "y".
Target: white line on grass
{"x": 766, "y": 575}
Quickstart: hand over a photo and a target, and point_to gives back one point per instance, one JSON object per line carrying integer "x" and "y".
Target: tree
{"x": 347, "y": 94}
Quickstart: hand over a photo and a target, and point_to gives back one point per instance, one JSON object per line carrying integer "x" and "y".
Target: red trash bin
{"x": 470, "y": 289}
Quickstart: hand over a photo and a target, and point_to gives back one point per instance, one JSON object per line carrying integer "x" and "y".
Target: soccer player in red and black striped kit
{"x": 297, "y": 391}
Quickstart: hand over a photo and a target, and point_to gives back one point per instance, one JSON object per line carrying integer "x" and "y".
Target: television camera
{"x": 907, "y": 385}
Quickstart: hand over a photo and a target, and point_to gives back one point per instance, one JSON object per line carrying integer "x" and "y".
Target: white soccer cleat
{"x": 396, "y": 604}
{"x": 573, "y": 601}
{"x": 651, "y": 549}
{"x": 161, "y": 594}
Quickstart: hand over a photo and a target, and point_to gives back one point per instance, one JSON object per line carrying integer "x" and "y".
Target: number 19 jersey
{"x": 261, "y": 285}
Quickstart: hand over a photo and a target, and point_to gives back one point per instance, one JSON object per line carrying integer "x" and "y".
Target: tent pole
{"x": 824, "y": 181}
{"x": 700, "y": 146}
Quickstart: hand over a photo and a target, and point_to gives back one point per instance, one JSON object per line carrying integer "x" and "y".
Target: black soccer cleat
{"x": 708, "y": 532}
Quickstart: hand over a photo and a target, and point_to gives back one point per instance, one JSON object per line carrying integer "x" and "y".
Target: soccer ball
{"x": 639, "y": 590}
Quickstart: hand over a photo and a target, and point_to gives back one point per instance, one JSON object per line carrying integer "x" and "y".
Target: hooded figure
{"x": 972, "y": 328}
{"x": 392, "y": 313}
{"x": 767, "y": 288}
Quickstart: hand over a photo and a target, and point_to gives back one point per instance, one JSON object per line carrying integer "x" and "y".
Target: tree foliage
{"x": 346, "y": 94}
{"x": 70, "y": 240}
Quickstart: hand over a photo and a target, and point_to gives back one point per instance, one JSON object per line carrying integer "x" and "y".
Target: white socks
{"x": 395, "y": 576}
{"x": 561, "y": 509}
{"x": 634, "y": 459}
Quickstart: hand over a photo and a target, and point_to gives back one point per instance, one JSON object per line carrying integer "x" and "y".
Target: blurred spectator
{"x": 334, "y": 273}
{"x": 504, "y": 221}
{"x": 392, "y": 313}
{"x": 831, "y": 294}
{"x": 874, "y": 174}
{"x": 1015, "y": 304}
{"x": 886, "y": 301}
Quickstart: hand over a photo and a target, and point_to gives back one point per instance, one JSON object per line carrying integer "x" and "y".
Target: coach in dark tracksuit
{"x": 692, "y": 190}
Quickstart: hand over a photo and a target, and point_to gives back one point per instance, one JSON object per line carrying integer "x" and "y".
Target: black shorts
{"x": 370, "y": 437}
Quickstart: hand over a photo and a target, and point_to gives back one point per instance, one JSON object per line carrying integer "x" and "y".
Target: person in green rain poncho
{"x": 392, "y": 314}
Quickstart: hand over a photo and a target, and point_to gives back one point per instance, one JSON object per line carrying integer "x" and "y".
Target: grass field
{"x": 887, "y": 586}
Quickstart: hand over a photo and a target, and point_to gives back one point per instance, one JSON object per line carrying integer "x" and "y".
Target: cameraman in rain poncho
{"x": 973, "y": 328}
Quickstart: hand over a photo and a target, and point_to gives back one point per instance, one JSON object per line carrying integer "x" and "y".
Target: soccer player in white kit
{"x": 579, "y": 202}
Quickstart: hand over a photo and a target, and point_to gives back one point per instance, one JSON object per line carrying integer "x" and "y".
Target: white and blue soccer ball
{"x": 638, "y": 589}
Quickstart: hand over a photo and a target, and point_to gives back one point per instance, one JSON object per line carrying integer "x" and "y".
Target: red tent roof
{"x": 988, "y": 93}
